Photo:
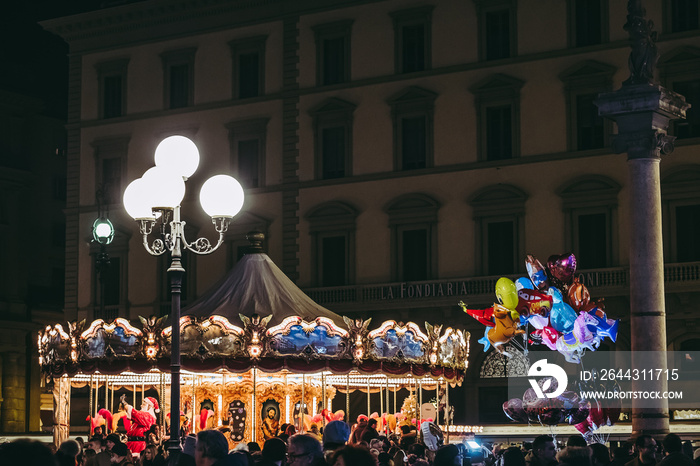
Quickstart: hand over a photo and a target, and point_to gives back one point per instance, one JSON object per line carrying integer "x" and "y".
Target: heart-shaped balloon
{"x": 562, "y": 267}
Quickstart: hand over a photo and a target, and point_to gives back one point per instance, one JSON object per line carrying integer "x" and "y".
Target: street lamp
{"x": 102, "y": 233}
{"x": 154, "y": 198}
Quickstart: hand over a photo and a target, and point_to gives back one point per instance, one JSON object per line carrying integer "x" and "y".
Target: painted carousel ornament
{"x": 141, "y": 421}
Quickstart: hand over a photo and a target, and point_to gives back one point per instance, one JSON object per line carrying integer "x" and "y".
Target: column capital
{"x": 651, "y": 143}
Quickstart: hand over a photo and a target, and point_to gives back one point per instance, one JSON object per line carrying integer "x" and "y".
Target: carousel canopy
{"x": 257, "y": 286}
{"x": 255, "y": 317}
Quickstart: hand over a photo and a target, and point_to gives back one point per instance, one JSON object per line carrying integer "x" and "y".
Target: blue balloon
{"x": 555, "y": 294}
{"x": 524, "y": 283}
{"x": 562, "y": 317}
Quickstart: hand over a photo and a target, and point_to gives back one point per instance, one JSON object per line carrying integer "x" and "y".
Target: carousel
{"x": 256, "y": 352}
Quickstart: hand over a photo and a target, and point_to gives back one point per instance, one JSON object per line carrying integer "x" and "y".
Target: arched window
{"x": 496, "y": 365}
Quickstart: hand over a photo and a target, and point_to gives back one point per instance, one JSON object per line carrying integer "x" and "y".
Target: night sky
{"x": 33, "y": 61}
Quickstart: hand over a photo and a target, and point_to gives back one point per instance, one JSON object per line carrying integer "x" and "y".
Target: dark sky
{"x": 32, "y": 61}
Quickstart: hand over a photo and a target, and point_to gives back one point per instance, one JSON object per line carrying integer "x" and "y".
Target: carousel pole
{"x": 255, "y": 409}
{"x": 395, "y": 388}
{"x": 347, "y": 398}
{"x": 369, "y": 409}
{"x": 111, "y": 399}
{"x": 106, "y": 397}
{"x": 447, "y": 409}
{"x": 323, "y": 394}
{"x": 90, "y": 401}
{"x": 381, "y": 401}
{"x": 303, "y": 401}
{"x": 418, "y": 435}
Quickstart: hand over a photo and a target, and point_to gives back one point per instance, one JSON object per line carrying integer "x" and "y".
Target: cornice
{"x": 156, "y": 20}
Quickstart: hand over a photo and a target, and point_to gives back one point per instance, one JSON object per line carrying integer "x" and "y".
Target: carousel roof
{"x": 257, "y": 286}
{"x": 256, "y": 317}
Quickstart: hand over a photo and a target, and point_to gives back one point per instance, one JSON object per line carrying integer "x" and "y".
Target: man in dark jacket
{"x": 645, "y": 450}
{"x": 673, "y": 447}
{"x": 370, "y": 431}
{"x": 543, "y": 452}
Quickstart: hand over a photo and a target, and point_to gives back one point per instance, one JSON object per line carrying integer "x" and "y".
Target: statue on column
{"x": 644, "y": 53}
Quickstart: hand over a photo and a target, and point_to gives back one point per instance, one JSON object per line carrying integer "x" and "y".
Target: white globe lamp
{"x": 221, "y": 196}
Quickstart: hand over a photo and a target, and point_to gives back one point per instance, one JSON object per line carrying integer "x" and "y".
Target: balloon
{"x": 536, "y": 272}
{"x": 584, "y": 427}
{"x": 562, "y": 267}
{"x": 513, "y": 408}
{"x": 506, "y": 293}
{"x": 538, "y": 321}
{"x": 562, "y": 317}
{"x": 533, "y": 302}
{"x": 581, "y": 414}
{"x": 524, "y": 283}
{"x": 484, "y": 316}
{"x": 578, "y": 295}
{"x": 548, "y": 337}
{"x": 504, "y": 330}
{"x": 602, "y": 326}
{"x": 529, "y": 397}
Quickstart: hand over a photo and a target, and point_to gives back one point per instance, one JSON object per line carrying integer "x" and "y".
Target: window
{"x": 413, "y": 223}
{"x": 590, "y": 213}
{"x": 499, "y": 215}
{"x": 248, "y": 58}
{"x": 497, "y": 101}
{"x": 497, "y": 29}
{"x": 679, "y": 71}
{"x": 332, "y": 121}
{"x": 332, "y": 228}
{"x": 178, "y": 72}
{"x": 110, "y": 159}
{"x": 247, "y": 142}
{"x": 680, "y": 195}
{"x": 412, "y": 114}
{"x": 112, "y": 88}
{"x": 412, "y": 39}
{"x": 333, "y": 53}
{"x": 111, "y": 301}
{"x": 582, "y": 84}
{"x": 681, "y": 15}
{"x": 588, "y": 22}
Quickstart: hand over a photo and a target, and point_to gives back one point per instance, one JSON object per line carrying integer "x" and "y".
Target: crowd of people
{"x": 337, "y": 444}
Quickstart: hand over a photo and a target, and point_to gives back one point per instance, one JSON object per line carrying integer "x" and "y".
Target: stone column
{"x": 643, "y": 113}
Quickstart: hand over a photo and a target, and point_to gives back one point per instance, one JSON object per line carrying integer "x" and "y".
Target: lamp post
{"x": 154, "y": 198}
{"x": 102, "y": 233}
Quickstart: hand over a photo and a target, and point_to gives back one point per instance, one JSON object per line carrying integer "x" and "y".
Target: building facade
{"x": 399, "y": 155}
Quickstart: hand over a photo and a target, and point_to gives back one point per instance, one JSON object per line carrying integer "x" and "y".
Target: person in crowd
{"x": 211, "y": 447}
{"x": 543, "y": 452}
{"x": 383, "y": 459}
{"x": 620, "y": 456}
{"x": 111, "y": 440}
{"x": 448, "y": 455}
{"x": 148, "y": 456}
{"x": 189, "y": 449}
{"x": 645, "y": 451}
{"x": 67, "y": 453}
{"x": 576, "y": 441}
{"x": 26, "y": 452}
{"x": 574, "y": 456}
{"x": 274, "y": 452}
{"x": 358, "y": 429}
{"x": 255, "y": 446}
{"x": 335, "y": 435}
{"x": 121, "y": 455}
{"x": 370, "y": 431}
{"x": 283, "y": 432}
{"x": 305, "y": 450}
{"x": 352, "y": 455}
{"x": 673, "y": 446}
{"x": 600, "y": 454}
{"x": 512, "y": 456}
{"x": 89, "y": 457}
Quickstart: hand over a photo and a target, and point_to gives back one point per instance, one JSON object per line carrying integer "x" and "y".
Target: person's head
{"x": 27, "y": 453}
{"x": 646, "y": 448}
{"x": 575, "y": 456}
{"x": 372, "y": 423}
{"x": 70, "y": 448}
{"x": 111, "y": 440}
{"x": 335, "y": 434}
{"x": 274, "y": 449}
{"x": 150, "y": 404}
{"x": 149, "y": 453}
{"x": 253, "y": 447}
{"x": 211, "y": 446}
{"x": 672, "y": 443}
{"x": 271, "y": 412}
{"x": 119, "y": 452}
{"x": 601, "y": 455}
{"x": 576, "y": 441}
{"x": 417, "y": 449}
{"x": 95, "y": 443}
{"x": 513, "y": 456}
{"x": 621, "y": 454}
{"x": 351, "y": 455}
{"x": 304, "y": 450}
{"x": 448, "y": 455}
{"x": 543, "y": 448}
